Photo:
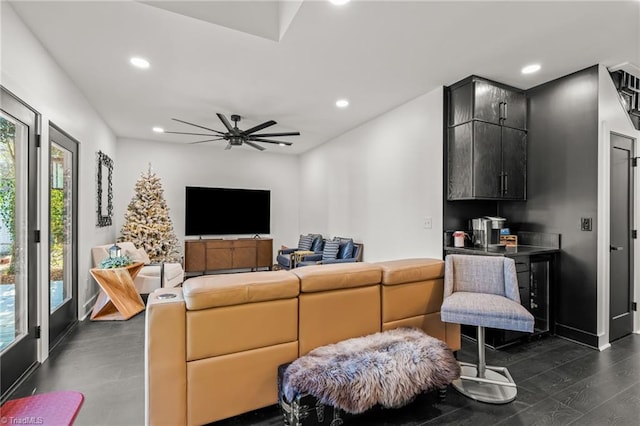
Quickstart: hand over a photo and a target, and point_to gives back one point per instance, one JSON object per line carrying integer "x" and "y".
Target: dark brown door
{"x": 621, "y": 250}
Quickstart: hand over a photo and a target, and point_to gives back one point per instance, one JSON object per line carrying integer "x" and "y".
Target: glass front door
{"x": 63, "y": 275}
{"x": 18, "y": 191}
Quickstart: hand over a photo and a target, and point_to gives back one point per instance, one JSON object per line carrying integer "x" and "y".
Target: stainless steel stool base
{"x": 496, "y": 387}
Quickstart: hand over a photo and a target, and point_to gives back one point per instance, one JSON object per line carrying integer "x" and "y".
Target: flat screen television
{"x": 225, "y": 211}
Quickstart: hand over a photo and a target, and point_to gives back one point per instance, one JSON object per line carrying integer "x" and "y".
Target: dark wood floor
{"x": 559, "y": 383}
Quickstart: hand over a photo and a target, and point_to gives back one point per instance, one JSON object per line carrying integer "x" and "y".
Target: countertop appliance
{"x": 486, "y": 231}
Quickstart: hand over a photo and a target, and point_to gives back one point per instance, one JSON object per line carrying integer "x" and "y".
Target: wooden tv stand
{"x": 217, "y": 254}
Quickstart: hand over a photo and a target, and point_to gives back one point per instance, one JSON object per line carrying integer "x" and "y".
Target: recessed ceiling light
{"x": 282, "y": 144}
{"x": 339, "y": 2}
{"x": 158, "y": 129}
{"x": 531, "y": 68}
{"x": 139, "y": 62}
{"x": 342, "y": 103}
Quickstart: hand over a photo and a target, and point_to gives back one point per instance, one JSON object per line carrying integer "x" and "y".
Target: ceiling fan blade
{"x": 208, "y": 140}
{"x": 197, "y": 125}
{"x": 268, "y": 135}
{"x": 259, "y": 127}
{"x": 228, "y": 147}
{"x": 256, "y": 146}
{"x": 225, "y": 122}
{"x": 252, "y": 138}
{"x": 187, "y": 133}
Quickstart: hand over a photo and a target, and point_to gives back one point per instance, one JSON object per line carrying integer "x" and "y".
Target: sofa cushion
{"x": 346, "y": 249}
{"x": 254, "y": 325}
{"x": 411, "y": 299}
{"x": 143, "y": 256}
{"x": 138, "y": 255}
{"x": 171, "y": 271}
{"x": 410, "y": 270}
{"x": 209, "y": 291}
{"x": 284, "y": 260}
{"x": 330, "y": 250}
{"x": 318, "y": 244}
{"x": 148, "y": 279}
{"x": 126, "y": 247}
{"x": 337, "y": 276}
{"x": 305, "y": 242}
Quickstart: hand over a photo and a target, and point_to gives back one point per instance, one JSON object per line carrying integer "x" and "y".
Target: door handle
{"x": 614, "y": 248}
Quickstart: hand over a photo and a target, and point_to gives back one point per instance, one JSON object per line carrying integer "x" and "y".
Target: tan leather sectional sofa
{"x": 212, "y": 351}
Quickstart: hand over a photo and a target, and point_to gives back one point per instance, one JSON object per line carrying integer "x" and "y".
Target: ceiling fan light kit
{"x": 236, "y": 137}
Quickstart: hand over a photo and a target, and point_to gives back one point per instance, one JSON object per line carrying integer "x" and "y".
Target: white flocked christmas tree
{"x": 147, "y": 223}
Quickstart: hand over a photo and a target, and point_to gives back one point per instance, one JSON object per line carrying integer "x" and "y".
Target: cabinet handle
{"x": 500, "y": 111}
{"x": 613, "y": 248}
{"x": 506, "y": 111}
{"x": 506, "y": 184}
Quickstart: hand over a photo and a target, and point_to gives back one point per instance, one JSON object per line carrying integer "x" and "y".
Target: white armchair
{"x": 148, "y": 278}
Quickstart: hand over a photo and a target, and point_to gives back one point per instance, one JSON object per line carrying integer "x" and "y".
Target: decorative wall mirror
{"x": 105, "y": 189}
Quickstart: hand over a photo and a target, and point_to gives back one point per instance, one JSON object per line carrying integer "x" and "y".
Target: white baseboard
{"x": 87, "y": 307}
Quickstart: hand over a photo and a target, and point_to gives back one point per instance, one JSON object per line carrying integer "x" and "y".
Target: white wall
{"x": 180, "y": 165}
{"x": 611, "y": 118}
{"x": 33, "y": 75}
{"x": 378, "y": 182}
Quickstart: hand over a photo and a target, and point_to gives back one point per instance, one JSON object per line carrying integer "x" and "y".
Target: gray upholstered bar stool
{"x": 483, "y": 291}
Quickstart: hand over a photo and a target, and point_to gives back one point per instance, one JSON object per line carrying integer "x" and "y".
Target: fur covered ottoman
{"x": 388, "y": 369}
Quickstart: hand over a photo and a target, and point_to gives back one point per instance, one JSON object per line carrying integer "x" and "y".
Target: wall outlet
{"x": 428, "y": 223}
{"x": 585, "y": 223}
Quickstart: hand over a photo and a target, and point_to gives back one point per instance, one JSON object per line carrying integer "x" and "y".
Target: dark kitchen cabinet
{"x": 475, "y": 98}
{"x": 514, "y": 164}
{"x": 487, "y": 143}
{"x": 499, "y": 105}
{"x": 486, "y": 161}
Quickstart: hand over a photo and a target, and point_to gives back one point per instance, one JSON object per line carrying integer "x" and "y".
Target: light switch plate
{"x": 586, "y": 223}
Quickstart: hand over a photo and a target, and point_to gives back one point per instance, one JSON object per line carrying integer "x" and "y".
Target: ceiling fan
{"x": 237, "y": 137}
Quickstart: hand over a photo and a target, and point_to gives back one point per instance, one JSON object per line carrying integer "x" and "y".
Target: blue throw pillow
{"x": 305, "y": 242}
{"x": 317, "y": 244}
{"x": 330, "y": 250}
{"x": 346, "y": 250}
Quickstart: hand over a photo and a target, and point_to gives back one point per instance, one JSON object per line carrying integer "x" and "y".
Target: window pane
{"x": 60, "y": 228}
{"x": 13, "y": 230}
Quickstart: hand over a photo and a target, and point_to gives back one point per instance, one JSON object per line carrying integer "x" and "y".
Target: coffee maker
{"x": 486, "y": 231}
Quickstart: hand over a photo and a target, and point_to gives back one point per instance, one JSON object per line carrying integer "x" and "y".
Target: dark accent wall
{"x": 562, "y": 187}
